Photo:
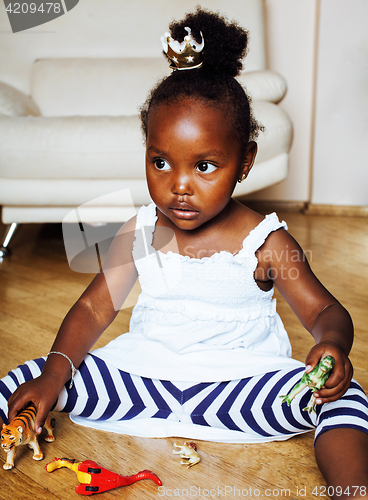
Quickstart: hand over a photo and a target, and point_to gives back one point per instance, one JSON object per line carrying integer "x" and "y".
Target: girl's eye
{"x": 162, "y": 164}
{"x": 205, "y": 168}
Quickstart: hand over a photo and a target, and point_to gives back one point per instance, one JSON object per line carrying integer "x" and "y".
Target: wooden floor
{"x": 36, "y": 290}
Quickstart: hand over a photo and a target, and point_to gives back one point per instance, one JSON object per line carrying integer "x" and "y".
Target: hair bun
{"x": 225, "y": 43}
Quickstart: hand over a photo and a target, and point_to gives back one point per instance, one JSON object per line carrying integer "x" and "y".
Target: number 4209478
{"x": 350, "y": 491}
{"x": 24, "y": 8}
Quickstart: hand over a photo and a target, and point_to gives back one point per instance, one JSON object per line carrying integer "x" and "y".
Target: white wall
{"x": 290, "y": 36}
{"x": 329, "y": 156}
{"x": 340, "y": 168}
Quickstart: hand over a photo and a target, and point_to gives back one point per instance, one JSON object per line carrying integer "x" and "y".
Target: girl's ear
{"x": 248, "y": 159}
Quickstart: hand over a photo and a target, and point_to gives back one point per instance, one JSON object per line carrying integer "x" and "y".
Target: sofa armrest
{"x": 13, "y": 102}
{"x": 264, "y": 85}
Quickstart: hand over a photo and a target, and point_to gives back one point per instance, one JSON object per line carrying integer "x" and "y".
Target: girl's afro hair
{"x": 225, "y": 45}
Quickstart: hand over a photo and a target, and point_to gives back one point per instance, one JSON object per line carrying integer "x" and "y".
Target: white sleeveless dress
{"x": 200, "y": 320}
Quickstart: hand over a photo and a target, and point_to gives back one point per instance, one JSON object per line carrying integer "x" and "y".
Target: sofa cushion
{"x": 278, "y": 134}
{"x": 77, "y": 147}
{"x": 85, "y": 147}
{"x": 113, "y": 87}
{"x": 24, "y": 197}
{"x": 264, "y": 85}
{"x": 94, "y": 87}
{"x": 13, "y": 102}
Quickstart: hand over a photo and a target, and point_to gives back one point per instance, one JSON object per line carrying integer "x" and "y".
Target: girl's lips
{"x": 184, "y": 213}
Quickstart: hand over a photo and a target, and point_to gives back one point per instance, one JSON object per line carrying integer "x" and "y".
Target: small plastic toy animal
{"x": 314, "y": 380}
{"x": 21, "y": 431}
{"x": 94, "y": 478}
{"x": 188, "y": 452}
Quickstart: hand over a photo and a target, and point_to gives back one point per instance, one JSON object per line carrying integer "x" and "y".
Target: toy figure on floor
{"x": 94, "y": 478}
{"x": 188, "y": 453}
{"x": 21, "y": 431}
{"x": 206, "y": 355}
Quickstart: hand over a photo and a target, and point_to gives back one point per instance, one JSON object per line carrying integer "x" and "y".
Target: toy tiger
{"x": 21, "y": 431}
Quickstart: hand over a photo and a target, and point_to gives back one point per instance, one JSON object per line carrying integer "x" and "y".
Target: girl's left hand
{"x": 339, "y": 380}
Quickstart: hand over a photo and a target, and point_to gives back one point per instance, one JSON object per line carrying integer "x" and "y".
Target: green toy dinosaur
{"x": 314, "y": 380}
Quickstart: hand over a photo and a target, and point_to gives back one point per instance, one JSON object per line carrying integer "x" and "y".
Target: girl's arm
{"x": 82, "y": 326}
{"x": 320, "y": 313}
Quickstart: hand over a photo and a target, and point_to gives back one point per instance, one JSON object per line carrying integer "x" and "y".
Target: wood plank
{"x": 16, "y": 485}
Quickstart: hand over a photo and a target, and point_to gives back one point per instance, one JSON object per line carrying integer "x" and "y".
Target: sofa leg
{"x": 4, "y": 250}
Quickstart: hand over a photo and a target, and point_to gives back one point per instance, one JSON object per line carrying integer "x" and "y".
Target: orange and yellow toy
{"x": 21, "y": 431}
{"x": 94, "y": 478}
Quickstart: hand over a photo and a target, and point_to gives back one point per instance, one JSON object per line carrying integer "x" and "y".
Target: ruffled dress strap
{"x": 259, "y": 234}
{"x": 145, "y": 226}
{"x": 146, "y": 217}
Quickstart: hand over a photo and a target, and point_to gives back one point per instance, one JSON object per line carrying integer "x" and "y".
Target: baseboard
{"x": 266, "y": 206}
{"x": 341, "y": 210}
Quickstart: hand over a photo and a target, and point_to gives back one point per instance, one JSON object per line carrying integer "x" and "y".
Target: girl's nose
{"x": 182, "y": 184}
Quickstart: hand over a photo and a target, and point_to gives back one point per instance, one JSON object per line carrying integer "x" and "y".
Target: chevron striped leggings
{"x": 250, "y": 405}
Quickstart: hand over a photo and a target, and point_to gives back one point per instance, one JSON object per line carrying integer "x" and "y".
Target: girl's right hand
{"x": 43, "y": 391}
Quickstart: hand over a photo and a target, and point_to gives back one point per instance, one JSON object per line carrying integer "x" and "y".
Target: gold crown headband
{"x": 185, "y": 55}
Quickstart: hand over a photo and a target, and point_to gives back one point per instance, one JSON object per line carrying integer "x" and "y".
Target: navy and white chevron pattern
{"x": 250, "y": 405}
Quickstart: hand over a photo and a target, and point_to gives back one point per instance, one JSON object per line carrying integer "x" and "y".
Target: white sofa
{"x": 69, "y": 126}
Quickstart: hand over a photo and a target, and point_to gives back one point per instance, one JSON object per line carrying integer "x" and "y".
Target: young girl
{"x": 206, "y": 355}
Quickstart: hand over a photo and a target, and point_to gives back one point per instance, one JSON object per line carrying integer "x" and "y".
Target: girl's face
{"x": 193, "y": 161}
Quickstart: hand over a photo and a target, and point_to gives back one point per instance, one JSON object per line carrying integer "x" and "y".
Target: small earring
{"x": 242, "y": 178}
